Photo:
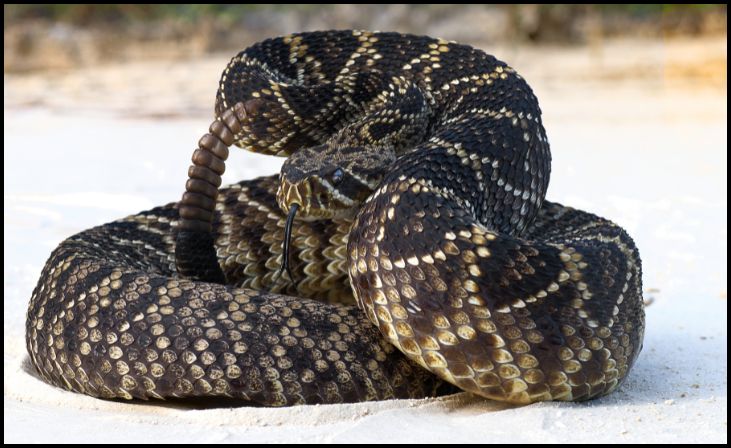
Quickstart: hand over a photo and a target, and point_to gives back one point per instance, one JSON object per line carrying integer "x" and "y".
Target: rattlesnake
{"x": 418, "y": 168}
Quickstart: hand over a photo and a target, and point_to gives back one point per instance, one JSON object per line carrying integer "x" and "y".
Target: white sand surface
{"x": 645, "y": 151}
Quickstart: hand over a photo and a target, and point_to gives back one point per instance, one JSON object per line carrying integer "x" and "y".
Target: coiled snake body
{"x": 418, "y": 169}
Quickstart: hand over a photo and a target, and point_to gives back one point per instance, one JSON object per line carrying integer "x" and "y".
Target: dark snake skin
{"x": 454, "y": 255}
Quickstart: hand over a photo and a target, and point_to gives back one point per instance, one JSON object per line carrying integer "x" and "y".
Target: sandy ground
{"x": 635, "y": 137}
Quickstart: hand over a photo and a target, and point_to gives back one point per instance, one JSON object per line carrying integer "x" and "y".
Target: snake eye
{"x": 337, "y": 176}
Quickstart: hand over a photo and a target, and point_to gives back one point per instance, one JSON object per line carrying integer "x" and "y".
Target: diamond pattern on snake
{"x": 405, "y": 249}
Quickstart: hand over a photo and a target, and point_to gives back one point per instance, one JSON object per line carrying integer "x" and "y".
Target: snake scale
{"x": 423, "y": 256}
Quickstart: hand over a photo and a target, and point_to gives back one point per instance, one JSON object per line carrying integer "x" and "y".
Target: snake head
{"x": 331, "y": 182}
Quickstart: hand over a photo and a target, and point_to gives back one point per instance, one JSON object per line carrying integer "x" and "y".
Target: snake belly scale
{"x": 425, "y": 256}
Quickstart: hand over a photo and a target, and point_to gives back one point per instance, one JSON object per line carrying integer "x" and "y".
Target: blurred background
{"x": 659, "y": 44}
{"x": 69, "y": 36}
{"x": 103, "y": 105}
